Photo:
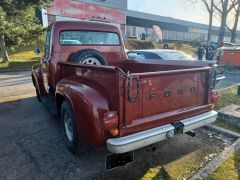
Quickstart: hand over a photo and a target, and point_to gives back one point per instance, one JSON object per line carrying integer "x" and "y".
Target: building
{"x": 112, "y": 11}
{"x": 132, "y": 23}
{"x": 139, "y": 24}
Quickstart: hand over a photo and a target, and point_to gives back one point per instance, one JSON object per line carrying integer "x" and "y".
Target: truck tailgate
{"x": 157, "y": 98}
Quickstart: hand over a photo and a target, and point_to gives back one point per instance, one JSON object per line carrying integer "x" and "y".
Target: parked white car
{"x": 162, "y": 54}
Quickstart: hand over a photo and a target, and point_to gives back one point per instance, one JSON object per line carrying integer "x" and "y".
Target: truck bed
{"x": 148, "y": 95}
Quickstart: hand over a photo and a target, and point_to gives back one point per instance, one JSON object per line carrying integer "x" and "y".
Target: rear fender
{"x": 37, "y": 78}
{"x": 89, "y": 103}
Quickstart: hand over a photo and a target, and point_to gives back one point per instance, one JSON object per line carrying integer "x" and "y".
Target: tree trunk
{"x": 223, "y": 21}
{"x": 3, "y": 49}
{"x": 222, "y": 31}
{"x": 234, "y": 30}
{"x": 210, "y": 22}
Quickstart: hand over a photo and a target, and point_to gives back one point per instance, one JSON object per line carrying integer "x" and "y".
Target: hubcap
{"x": 68, "y": 126}
{"x": 91, "y": 60}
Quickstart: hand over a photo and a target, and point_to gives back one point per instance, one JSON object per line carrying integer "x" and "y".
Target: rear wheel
{"x": 69, "y": 127}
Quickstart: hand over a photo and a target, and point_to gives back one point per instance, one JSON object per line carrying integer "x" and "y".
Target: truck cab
{"x": 79, "y": 42}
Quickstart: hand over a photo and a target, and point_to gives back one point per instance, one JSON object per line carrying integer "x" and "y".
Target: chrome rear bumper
{"x": 151, "y": 136}
{"x": 199, "y": 121}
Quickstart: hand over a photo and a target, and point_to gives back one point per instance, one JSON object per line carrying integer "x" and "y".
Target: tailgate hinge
{"x": 129, "y": 78}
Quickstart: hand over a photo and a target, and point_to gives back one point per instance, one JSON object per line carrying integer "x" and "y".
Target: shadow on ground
{"x": 32, "y": 147}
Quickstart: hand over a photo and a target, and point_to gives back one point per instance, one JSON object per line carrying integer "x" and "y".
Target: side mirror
{"x": 37, "y": 51}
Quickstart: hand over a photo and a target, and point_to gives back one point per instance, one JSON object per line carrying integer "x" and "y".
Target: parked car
{"x": 163, "y": 54}
{"x": 168, "y": 54}
{"x": 215, "y": 45}
{"x": 104, "y": 99}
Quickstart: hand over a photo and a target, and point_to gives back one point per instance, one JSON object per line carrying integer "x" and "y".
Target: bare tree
{"x": 209, "y": 5}
{"x": 233, "y": 30}
{"x": 224, "y": 7}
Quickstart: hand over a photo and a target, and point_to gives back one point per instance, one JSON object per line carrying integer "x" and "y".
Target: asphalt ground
{"x": 32, "y": 146}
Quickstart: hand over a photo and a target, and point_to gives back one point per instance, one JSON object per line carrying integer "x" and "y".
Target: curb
{"x": 18, "y": 70}
{"x": 222, "y": 130}
{"x": 221, "y": 158}
{"x": 216, "y": 162}
{"x": 223, "y": 89}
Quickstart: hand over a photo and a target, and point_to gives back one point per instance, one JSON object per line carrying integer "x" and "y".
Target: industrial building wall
{"x": 139, "y": 23}
{"x": 119, "y": 4}
{"x": 82, "y": 10}
{"x": 170, "y": 35}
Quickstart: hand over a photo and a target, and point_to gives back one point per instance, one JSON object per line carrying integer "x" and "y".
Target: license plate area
{"x": 117, "y": 160}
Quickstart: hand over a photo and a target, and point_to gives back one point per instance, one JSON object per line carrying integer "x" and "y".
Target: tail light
{"x": 114, "y": 132}
{"x": 214, "y": 97}
{"x": 111, "y": 122}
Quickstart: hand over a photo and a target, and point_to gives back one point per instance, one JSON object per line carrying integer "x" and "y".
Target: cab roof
{"x": 85, "y": 25}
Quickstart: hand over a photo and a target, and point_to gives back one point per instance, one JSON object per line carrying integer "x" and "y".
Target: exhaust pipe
{"x": 191, "y": 133}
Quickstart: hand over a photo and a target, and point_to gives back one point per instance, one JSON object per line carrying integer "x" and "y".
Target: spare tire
{"x": 89, "y": 56}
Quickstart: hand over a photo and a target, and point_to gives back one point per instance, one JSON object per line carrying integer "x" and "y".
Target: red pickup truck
{"x": 105, "y": 99}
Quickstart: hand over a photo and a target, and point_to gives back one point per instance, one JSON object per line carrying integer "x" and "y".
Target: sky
{"x": 178, "y": 9}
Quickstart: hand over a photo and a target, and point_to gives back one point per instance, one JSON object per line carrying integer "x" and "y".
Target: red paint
{"x": 94, "y": 91}
{"x": 214, "y": 97}
{"x": 231, "y": 58}
{"x": 74, "y": 9}
{"x": 110, "y": 120}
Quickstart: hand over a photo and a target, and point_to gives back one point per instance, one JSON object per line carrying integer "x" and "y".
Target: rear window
{"x": 89, "y": 38}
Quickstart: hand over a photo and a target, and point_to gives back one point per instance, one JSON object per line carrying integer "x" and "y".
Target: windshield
{"x": 175, "y": 55}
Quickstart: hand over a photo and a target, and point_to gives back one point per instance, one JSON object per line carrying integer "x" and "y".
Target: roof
{"x": 85, "y": 25}
{"x": 122, "y": 4}
{"x": 154, "y": 50}
{"x": 147, "y": 16}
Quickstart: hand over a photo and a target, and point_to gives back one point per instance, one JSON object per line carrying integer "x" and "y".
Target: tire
{"x": 38, "y": 93}
{"x": 69, "y": 127}
{"x": 89, "y": 57}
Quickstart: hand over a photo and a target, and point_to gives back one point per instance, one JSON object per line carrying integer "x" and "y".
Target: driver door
{"x": 45, "y": 61}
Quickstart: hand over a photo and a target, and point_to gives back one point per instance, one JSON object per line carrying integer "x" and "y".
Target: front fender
{"x": 38, "y": 80}
{"x": 89, "y": 102}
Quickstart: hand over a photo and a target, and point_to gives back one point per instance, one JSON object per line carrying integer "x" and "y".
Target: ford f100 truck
{"x": 105, "y": 99}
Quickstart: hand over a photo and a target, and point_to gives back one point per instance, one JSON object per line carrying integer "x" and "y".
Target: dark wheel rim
{"x": 91, "y": 60}
{"x": 68, "y": 126}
